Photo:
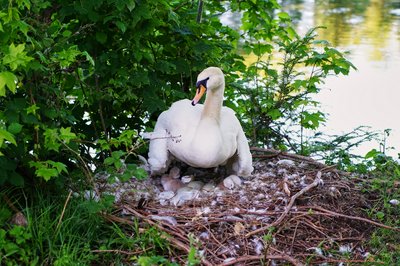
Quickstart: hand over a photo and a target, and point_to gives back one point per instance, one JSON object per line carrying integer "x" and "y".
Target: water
{"x": 370, "y": 96}
{"x": 370, "y": 31}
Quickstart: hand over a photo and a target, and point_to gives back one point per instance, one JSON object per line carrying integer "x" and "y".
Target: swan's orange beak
{"x": 199, "y": 93}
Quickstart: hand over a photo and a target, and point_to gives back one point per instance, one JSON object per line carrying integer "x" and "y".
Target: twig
{"x": 63, "y": 211}
{"x": 265, "y": 156}
{"x": 103, "y": 124}
{"x": 288, "y": 155}
{"x": 150, "y": 136}
{"x": 332, "y": 213}
{"x": 289, "y": 206}
{"x": 328, "y": 167}
{"x": 113, "y": 218}
{"x": 263, "y": 257}
{"x": 178, "y": 244}
{"x": 117, "y": 251}
{"x": 10, "y": 204}
{"x": 346, "y": 262}
{"x": 294, "y": 237}
{"x": 296, "y": 157}
{"x": 213, "y": 237}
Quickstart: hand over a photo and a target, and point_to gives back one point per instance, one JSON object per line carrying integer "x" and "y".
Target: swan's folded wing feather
{"x": 245, "y": 160}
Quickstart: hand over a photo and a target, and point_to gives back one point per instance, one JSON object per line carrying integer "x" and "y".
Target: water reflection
{"x": 370, "y": 30}
{"x": 347, "y": 22}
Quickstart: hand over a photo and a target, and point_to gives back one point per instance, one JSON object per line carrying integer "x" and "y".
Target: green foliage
{"x": 275, "y": 99}
{"x": 382, "y": 186}
{"x": 15, "y": 246}
{"x": 337, "y": 149}
{"x": 48, "y": 169}
{"x": 117, "y": 164}
{"x": 76, "y": 235}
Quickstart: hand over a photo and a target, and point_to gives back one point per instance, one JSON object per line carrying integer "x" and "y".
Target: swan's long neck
{"x": 213, "y": 103}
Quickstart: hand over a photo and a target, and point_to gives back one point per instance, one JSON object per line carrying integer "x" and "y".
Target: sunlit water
{"x": 370, "y": 96}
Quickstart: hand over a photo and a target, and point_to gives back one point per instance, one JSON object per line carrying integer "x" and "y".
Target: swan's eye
{"x": 202, "y": 82}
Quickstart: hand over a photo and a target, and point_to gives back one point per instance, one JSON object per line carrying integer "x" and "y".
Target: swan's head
{"x": 210, "y": 79}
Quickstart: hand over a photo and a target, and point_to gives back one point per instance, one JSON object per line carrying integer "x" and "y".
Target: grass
{"x": 383, "y": 187}
{"x": 82, "y": 237}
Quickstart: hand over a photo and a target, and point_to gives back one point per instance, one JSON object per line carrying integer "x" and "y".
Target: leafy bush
{"x": 276, "y": 94}
{"x": 75, "y": 75}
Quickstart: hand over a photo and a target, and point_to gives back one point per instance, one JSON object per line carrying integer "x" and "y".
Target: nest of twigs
{"x": 292, "y": 210}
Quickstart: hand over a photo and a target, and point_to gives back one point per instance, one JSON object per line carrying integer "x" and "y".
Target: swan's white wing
{"x": 242, "y": 163}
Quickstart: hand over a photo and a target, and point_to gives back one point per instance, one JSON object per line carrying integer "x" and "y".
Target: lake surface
{"x": 370, "y": 96}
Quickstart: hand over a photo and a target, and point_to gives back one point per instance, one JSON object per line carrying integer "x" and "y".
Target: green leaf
{"x": 7, "y": 79}
{"x": 312, "y": 120}
{"x": 283, "y": 16}
{"x": 136, "y": 171}
{"x": 274, "y": 114}
{"x": 66, "y": 57}
{"x": 48, "y": 169}
{"x": 130, "y": 5}
{"x": 121, "y": 26}
{"x": 117, "y": 154}
{"x": 32, "y": 109}
{"x": 46, "y": 173}
{"x": 66, "y": 135}
{"x": 67, "y": 33}
{"x": 51, "y": 139}
{"x": 88, "y": 57}
{"x": 5, "y": 135}
{"x": 59, "y": 166}
{"x": 291, "y": 32}
{"x": 16, "y": 56}
{"x": 109, "y": 161}
{"x": 372, "y": 153}
{"x": 140, "y": 173}
{"x": 380, "y": 215}
{"x": 14, "y": 128}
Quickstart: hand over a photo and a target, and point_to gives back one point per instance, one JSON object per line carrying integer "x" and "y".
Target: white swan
{"x": 203, "y": 136}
